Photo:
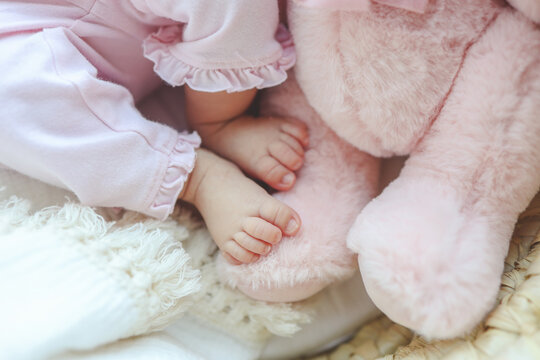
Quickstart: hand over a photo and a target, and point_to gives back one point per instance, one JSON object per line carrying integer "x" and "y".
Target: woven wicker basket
{"x": 510, "y": 332}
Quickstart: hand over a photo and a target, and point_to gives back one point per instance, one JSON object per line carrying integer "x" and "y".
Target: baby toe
{"x": 237, "y": 252}
{"x": 286, "y": 155}
{"x": 230, "y": 259}
{"x": 282, "y": 216}
{"x": 252, "y": 244}
{"x": 262, "y": 230}
{"x": 298, "y": 130}
{"x": 272, "y": 172}
{"x": 293, "y": 143}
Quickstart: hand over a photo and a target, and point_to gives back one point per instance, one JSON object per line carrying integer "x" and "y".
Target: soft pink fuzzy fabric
{"x": 463, "y": 188}
{"x": 387, "y": 69}
{"x": 458, "y": 89}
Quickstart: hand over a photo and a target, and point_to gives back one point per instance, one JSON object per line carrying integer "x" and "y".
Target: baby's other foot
{"x": 243, "y": 219}
{"x": 267, "y": 148}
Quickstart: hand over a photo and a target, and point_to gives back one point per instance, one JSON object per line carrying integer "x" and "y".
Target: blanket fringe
{"x": 149, "y": 262}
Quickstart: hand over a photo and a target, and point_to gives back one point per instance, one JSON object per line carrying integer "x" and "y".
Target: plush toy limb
{"x": 432, "y": 246}
{"x": 334, "y": 184}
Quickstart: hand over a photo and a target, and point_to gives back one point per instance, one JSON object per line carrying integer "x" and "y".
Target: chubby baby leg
{"x": 243, "y": 219}
{"x": 268, "y": 148}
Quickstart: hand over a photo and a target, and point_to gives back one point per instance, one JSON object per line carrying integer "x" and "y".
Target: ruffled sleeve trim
{"x": 176, "y": 71}
{"x": 181, "y": 163}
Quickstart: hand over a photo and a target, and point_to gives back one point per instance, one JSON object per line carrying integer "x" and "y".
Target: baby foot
{"x": 267, "y": 148}
{"x": 243, "y": 219}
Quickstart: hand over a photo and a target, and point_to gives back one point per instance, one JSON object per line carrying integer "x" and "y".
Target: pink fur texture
{"x": 458, "y": 90}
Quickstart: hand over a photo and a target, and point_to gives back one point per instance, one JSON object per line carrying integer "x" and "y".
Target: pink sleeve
{"x": 74, "y": 130}
{"x": 219, "y": 44}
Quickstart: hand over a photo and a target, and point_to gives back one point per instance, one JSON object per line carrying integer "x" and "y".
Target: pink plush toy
{"x": 454, "y": 84}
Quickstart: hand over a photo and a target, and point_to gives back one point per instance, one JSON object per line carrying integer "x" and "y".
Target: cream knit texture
{"x": 73, "y": 279}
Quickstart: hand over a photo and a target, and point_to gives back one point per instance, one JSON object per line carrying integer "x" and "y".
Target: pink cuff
{"x": 177, "y": 72}
{"x": 181, "y": 163}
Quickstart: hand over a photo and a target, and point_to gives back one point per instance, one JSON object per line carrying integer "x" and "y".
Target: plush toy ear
{"x": 418, "y": 6}
{"x": 529, "y": 8}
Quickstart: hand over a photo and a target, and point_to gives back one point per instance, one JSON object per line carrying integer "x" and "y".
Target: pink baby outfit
{"x": 72, "y": 70}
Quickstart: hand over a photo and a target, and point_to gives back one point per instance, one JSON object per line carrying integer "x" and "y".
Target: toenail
{"x": 291, "y": 226}
{"x": 287, "y": 179}
{"x": 267, "y": 249}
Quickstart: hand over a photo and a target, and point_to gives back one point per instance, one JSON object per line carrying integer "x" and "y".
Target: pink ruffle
{"x": 181, "y": 163}
{"x": 176, "y": 72}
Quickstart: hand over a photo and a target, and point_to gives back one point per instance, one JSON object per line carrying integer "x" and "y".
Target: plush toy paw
{"x": 428, "y": 261}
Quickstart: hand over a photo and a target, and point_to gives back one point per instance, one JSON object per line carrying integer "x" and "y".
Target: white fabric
{"x": 70, "y": 280}
{"x": 152, "y": 346}
{"x": 77, "y": 287}
{"x": 338, "y": 312}
{"x": 62, "y": 299}
{"x": 73, "y": 282}
{"x": 42, "y": 278}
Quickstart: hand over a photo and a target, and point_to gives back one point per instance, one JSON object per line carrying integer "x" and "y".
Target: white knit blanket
{"x": 73, "y": 280}
{"x": 77, "y": 283}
